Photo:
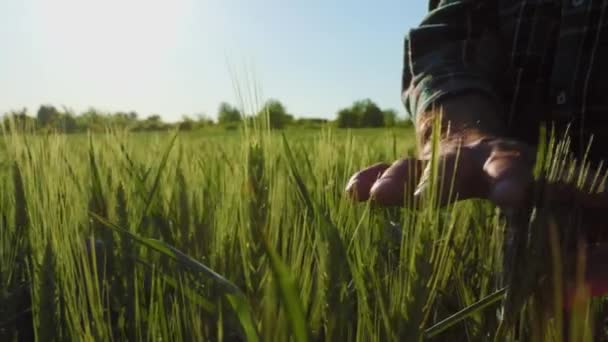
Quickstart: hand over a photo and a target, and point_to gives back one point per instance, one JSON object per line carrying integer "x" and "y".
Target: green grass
{"x": 237, "y": 235}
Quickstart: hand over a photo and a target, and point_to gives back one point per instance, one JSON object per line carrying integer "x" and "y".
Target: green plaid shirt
{"x": 539, "y": 60}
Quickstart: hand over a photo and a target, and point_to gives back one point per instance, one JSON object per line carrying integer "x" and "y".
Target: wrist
{"x": 464, "y": 139}
{"x": 461, "y": 120}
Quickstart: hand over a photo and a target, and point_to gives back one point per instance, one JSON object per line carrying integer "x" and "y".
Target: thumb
{"x": 510, "y": 181}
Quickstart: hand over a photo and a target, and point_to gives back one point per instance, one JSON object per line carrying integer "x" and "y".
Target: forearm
{"x": 448, "y": 71}
{"x": 463, "y": 119}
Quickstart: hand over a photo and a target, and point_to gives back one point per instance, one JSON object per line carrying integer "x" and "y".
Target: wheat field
{"x": 242, "y": 236}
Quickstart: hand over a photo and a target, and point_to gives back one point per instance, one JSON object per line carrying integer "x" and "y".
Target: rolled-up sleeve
{"x": 455, "y": 49}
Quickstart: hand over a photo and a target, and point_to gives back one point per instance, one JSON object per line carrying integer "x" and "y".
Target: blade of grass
{"x": 172, "y": 253}
{"x": 161, "y": 167}
{"x": 464, "y": 313}
{"x": 243, "y": 311}
{"x": 289, "y": 294}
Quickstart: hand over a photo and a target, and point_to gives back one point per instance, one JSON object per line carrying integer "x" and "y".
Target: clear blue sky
{"x": 172, "y": 57}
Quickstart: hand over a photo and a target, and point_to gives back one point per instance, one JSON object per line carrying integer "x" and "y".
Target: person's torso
{"x": 557, "y": 68}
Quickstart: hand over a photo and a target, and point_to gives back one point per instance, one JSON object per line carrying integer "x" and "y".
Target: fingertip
{"x": 386, "y": 192}
{"x": 508, "y": 193}
{"x": 359, "y": 185}
{"x": 355, "y": 191}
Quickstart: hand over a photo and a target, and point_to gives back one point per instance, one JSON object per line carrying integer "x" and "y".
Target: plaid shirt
{"x": 539, "y": 60}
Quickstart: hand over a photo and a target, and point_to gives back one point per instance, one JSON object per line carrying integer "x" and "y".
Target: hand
{"x": 494, "y": 169}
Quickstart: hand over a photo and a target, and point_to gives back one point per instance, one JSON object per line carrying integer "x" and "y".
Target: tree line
{"x": 363, "y": 113}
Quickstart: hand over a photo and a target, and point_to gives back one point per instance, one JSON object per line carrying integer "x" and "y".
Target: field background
{"x": 234, "y": 235}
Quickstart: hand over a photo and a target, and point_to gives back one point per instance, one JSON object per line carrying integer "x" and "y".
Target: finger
{"x": 460, "y": 176}
{"x": 510, "y": 192}
{"x": 397, "y": 183}
{"x": 510, "y": 179}
{"x": 359, "y": 185}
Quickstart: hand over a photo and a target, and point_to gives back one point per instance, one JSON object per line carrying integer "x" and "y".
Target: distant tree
{"x": 390, "y": 117}
{"x": 405, "y": 123}
{"x": 155, "y": 118}
{"x": 19, "y": 121}
{"x": 47, "y": 115}
{"x": 92, "y": 119}
{"x": 92, "y": 114}
{"x": 275, "y": 113}
{"x": 347, "y": 118}
{"x": 186, "y": 124}
{"x": 319, "y": 121}
{"x": 362, "y": 113}
{"x": 370, "y": 115}
{"x": 203, "y": 119}
{"x": 228, "y": 114}
{"x": 314, "y": 123}
{"x": 154, "y": 123}
{"x": 310, "y": 121}
{"x": 67, "y": 123}
{"x": 288, "y": 119}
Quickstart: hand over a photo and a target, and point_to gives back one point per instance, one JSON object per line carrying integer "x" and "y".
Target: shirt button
{"x": 561, "y": 97}
{"x": 577, "y": 3}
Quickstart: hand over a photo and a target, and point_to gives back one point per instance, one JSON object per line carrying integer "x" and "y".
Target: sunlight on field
{"x": 233, "y": 235}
